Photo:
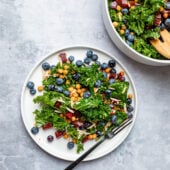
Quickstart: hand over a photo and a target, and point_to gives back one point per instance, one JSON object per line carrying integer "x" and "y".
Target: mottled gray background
{"x": 29, "y": 29}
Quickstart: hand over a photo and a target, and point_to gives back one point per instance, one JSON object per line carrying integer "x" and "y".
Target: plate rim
{"x": 65, "y": 48}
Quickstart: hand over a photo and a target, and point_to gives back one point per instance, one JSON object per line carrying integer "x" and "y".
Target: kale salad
{"x": 81, "y": 100}
{"x": 138, "y": 21}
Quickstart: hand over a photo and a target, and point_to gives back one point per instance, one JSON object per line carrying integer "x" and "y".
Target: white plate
{"x": 58, "y": 147}
{"x": 120, "y": 43}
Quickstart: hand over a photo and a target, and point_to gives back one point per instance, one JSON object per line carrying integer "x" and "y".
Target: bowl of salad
{"x": 73, "y": 97}
{"x": 132, "y": 24}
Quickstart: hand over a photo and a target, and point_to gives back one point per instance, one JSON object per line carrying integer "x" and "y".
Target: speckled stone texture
{"x": 29, "y": 29}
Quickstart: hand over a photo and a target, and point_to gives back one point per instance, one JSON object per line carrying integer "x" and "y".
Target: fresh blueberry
{"x": 114, "y": 119}
{"x": 70, "y": 145}
{"x": 98, "y": 83}
{"x": 130, "y": 115}
{"x": 89, "y": 53}
{"x": 167, "y": 6}
{"x": 50, "y": 138}
{"x": 86, "y": 94}
{"x": 30, "y": 85}
{"x": 162, "y": 26}
{"x": 71, "y": 58}
{"x": 34, "y": 130}
{"x": 32, "y": 91}
{"x": 167, "y": 24}
{"x": 129, "y": 101}
{"x": 111, "y": 81}
{"x": 87, "y": 60}
{"x": 51, "y": 87}
{"x": 130, "y": 108}
{"x": 108, "y": 92}
{"x": 87, "y": 124}
{"x": 104, "y": 66}
{"x": 127, "y": 32}
{"x": 99, "y": 133}
{"x": 76, "y": 76}
{"x": 46, "y": 66}
{"x": 79, "y": 63}
{"x": 94, "y": 57}
{"x": 130, "y": 37}
{"x": 113, "y": 70}
{"x": 66, "y": 93}
{"x": 112, "y": 63}
{"x": 59, "y": 81}
{"x": 128, "y": 42}
{"x": 104, "y": 74}
{"x": 125, "y": 11}
{"x": 59, "y": 89}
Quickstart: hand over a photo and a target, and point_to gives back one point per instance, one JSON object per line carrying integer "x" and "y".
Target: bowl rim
{"x": 105, "y": 2}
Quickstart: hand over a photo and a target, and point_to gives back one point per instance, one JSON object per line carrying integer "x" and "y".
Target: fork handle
{"x": 76, "y": 162}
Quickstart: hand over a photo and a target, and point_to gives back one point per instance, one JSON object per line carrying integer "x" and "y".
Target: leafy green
{"x": 120, "y": 90}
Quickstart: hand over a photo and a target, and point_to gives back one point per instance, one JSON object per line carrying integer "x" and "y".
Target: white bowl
{"x": 120, "y": 43}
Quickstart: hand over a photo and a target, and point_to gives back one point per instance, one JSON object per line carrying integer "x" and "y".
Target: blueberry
{"x": 130, "y": 37}
{"x": 30, "y": 85}
{"x": 129, "y": 101}
{"x": 59, "y": 81}
{"x": 127, "y": 32}
{"x": 167, "y": 24}
{"x": 128, "y": 42}
{"x": 162, "y": 26}
{"x": 104, "y": 74}
{"x": 32, "y": 91}
{"x": 50, "y": 138}
{"x": 59, "y": 89}
{"x": 87, "y": 60}
{"x": 112, "y": 63}
{"x": 98, "y": 63}
{"x": 34, "y": 130}
{"x": 94, "y": 57}
{"x": 89, "y": 53}
{"x": 87, "y": 124}
{"x": 104, "y": 66}
{"x": 76, "y": 76}
{"x": 98, "y": 83}
{"x": 113, "y": 70}
{"x": 79, "y": 63}
{"x": 108, "y": 92}
{"x": 99, "y": 133}
{"x": 125, "y": 11}
{"x": 111, "y": 81}
{"x": 51, "y": 87}
{"x": 130, "y": 108}
{"x": 114, "y": 119}
{"x": 130, "y": 115}
{"x": 71, "y": 58}
{"x": 70, "y": 145}
{"x": 46, "y": 66}
{"x": 66, "y": 93}
{"x": 86, "y": 94}
{"x": 167, "y": 6}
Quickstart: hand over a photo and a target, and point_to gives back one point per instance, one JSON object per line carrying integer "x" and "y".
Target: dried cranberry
{"x": 77, "y": 114}
{"x": 57, "y": 104}
{"x": 47, "y": 126}
{"x": 69, "y": 115}
{"x": 78, "y": 123}
{"x": 112, "y": 75}
{"x": 85, "y": 139}
{"x": 63, "y": 57}
{"x": 59, "y": 133}
{"x": 125, "y": 4}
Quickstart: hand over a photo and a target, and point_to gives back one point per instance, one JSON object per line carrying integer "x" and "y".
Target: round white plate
{"x": 58, "y": 147}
